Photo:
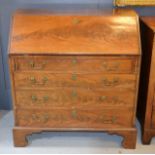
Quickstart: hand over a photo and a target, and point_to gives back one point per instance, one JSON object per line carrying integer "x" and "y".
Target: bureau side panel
{"x": 11, "y": 70}
{"x": 146, "y": 87}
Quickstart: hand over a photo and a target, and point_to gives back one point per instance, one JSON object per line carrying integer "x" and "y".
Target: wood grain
{"x": 34, "y": 34}
{"x": 92, "y": 64}
{"x": 71, "y": 97}
{"x": 83, "y": 118}
{"x": 85, "y": 80}
{"x": 128, "y": 134}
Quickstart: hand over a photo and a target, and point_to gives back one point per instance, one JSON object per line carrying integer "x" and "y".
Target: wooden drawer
{"x": 77, "y": 64}
{"x": 75, "y": 118}
{"x": 86, "y": 98}
{"x": 50, "y": 80}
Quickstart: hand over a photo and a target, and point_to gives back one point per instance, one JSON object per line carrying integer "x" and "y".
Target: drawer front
{"x": 50, "y": 80}
{"x": 75, "y": 118}
{"x": 77, "y": 64}
{"x": 86, "y": 98}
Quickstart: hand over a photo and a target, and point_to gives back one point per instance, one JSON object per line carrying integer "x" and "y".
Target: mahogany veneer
{"x": 75, "y": 73}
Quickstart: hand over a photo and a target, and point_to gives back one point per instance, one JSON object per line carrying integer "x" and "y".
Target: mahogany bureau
{"x": 75, "y": 73}
{"x": 146, "y": 104}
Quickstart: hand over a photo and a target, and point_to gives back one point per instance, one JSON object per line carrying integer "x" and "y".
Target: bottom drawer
{"x": 75, "y": 118}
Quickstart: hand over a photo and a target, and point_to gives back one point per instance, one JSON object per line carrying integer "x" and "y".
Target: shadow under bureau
{"x": 75, "y": 73}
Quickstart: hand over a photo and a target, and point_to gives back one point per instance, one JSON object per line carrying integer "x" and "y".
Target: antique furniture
{"x": 146, "y": 105}
{"x": 75, "y": 73}
{"x": 134, "y": 2}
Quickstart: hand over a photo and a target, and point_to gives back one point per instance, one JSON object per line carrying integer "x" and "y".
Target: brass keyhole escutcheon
{"x": 37, "y": 66}
{"x": 105, "y": 64}
{"x": 33, "y": 80}
{"x": 32, "y": 64}
{"x": 74, "y": 113}
{"x": 34, "y": 98}
{"x": 74, "y": 61}
{"x": 45, "y": 118}
{"x": 74, "y": 94}
{"x": 113, "y": 120}
{"x": 74, "y": 77}
{"x": 103, "y": 98}
{"x": 113, "y": 67}
{"x": 113, "y": 82}
{"x": 76, "y": 21}
{"x": 36, "y": 118}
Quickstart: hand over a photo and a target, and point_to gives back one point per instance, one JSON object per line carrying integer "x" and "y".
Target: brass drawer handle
{"x": 112, "y": 100}
{"x": 114, "y": 119}
{"x": 34, "y": 81}
{"x": 103, "y": 98}
{"x": 115, "y": 66}
{"x": 34, "y": 98}
{"x": 114, "y": 82}
{"x": 45, "y": 98}
{"x": 74, "y": 94}
{"x": 45, "y": 79}
{"x": 36, "y": 118}
{"x": 108, "y": 120}
{"x": 45, "y": 118}
{"x": 33, "y": 65}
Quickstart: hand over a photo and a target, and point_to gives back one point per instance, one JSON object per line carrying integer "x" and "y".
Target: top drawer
{"x": 76, "y": 64}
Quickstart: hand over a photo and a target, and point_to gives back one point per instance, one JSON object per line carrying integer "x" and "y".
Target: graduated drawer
{"x": 70, "y": 97}
{"x": 112, "y": 64}
{"x": 52, "y": 80}
{"x": 75, "y": 118}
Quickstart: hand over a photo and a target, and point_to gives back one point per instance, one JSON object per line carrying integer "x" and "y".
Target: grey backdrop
{"x": 7, "y": 7}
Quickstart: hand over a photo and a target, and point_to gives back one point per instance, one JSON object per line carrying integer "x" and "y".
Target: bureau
{"x": 146, "y": 104}
{"x": 75, "y": 73}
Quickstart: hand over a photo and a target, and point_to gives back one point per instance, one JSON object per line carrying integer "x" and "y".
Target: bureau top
{"x": 46, "y": 33}
{"x": 150, "y": 22}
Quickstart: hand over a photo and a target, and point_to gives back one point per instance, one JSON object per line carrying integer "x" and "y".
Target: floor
{"x": 59, "y": 142}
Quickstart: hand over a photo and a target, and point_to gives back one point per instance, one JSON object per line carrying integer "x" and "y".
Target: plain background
{"x": 7, "y": 7}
